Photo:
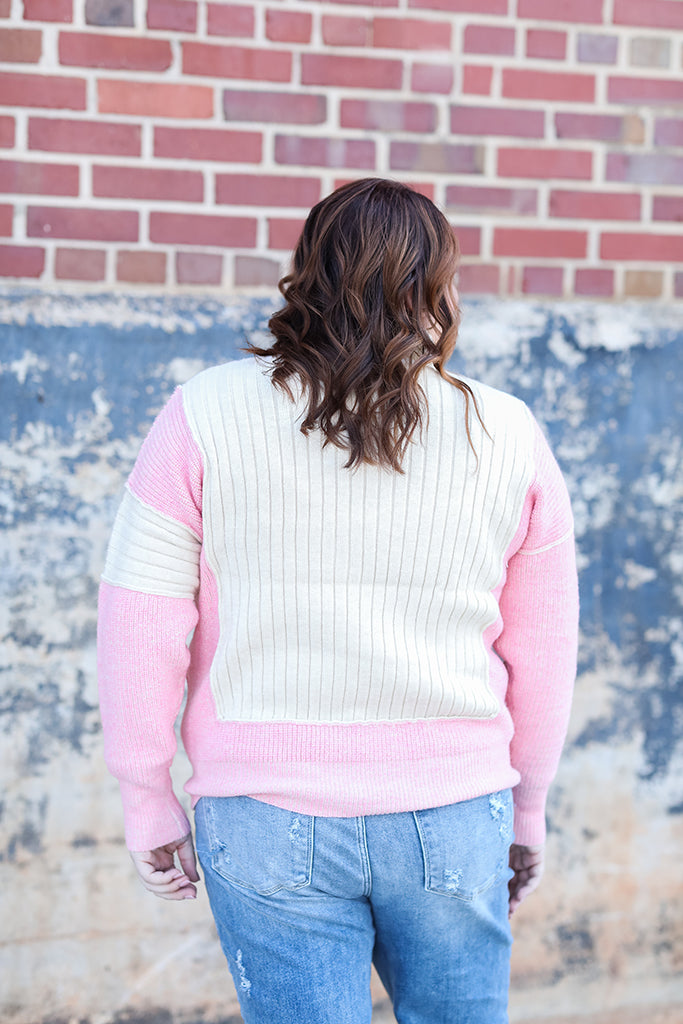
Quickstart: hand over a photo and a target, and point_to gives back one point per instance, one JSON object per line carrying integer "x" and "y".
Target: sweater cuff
{"x": 529, "y": 821}
{"x": 152, "y": 818}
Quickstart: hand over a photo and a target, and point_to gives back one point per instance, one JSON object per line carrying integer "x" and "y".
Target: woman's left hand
{"x": 159, "y": 874}
{"x": 527, "y": 863}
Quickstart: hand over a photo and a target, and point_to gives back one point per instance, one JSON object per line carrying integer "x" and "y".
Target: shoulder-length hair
{"x": 369, "y": 302}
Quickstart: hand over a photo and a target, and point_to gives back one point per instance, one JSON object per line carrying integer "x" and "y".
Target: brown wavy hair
{"x": 369, "y": 302}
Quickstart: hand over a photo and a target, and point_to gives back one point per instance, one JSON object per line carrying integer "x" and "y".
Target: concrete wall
{"x": 81, "y": 378}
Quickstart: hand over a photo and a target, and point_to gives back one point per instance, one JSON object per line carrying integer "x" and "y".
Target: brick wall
{"x": 179, "y": 144}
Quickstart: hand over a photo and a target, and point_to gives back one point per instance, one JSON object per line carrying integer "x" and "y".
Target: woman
{"x": 374, "y": 562}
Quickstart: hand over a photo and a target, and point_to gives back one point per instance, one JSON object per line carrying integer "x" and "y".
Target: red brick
{"x": 561, "y": 10}
{"x": 20, "y": 45}
{"x": 237, "y": 62}
{"x": 21, "y": 261}
{"x": 5, "y": 8}
{"x": 436, "y": 157}
{"x": 528, "y": 124}
{"x": 341, "y": 31}
{"x": 645, "y": 90}
{"x": 479, "y": 279}
{"x": 650, "y": 52}
{"x": 288, "y": 26}
{"x": 154, "y": 99}
{"x": 139, "y": 267}
{"x": 38, "y": 179}
{"x": 545, "y": 44}
{"x": 208, "y": 144}
{"x": 61, "y": 136}
{"x": 645, "y": 168}
{"x": 198, "y": 268}
{"x": 6, "y": 220}
{"x": 542, "y": 281}
{"x": 86, "y": 49}
{"x": 48, "y": 10}
{"x": 594, "y": 281}
{"x": 198, "y": 229}
{"x": 364, "y": 3}
{"x": 494, "y": 39}
{"x": 19, "y": 90}
{"x": 545, "y": 163}
{"x": 669, "y": 131}
{"x": 411, "y": 34}
{"x": 148, "y": 183}
{"x": 648, "y": 13}
{"x": 230, "y": 20}
{"x": 309, "y": 152}
{"x": 469, "y": 240}
{"x": 436, "y": 78}
{"x": 595, "y": 205}
{"x": 477, "y": 80}
{"x": 266, "y": 190}
{"x": 256, "y": 271}
{"x": 604, "y": 127}
{"x": 353, "y": 72}
{"x": 110, "y": 13}
{"x": 597, "y": 49}
{"x": 82, "y": 224}
{"x": 274, "y": 107}
{"x": 485, "y": 198}
{"x": 678, "y": 286}
{"x": 388, "y": 115}
{"x": 669, "y": 208}
{"x": 643, "y": 284}
{"x": 6, "y": 132}
{"x": 80, "y": 264}
{"x": 464, "y": 6}
{"x": 540, "y": 243}
{"x": 172, "y": 15}
{"x": 283, "y": 233}
{"x": 632, "y": 246}
{"x": 525, "y": 84}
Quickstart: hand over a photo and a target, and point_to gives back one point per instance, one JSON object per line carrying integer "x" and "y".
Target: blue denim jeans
{"x": 304, "y": 905}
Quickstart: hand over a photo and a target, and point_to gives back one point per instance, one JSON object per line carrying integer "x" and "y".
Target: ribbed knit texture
{"x": 350, "y": 655}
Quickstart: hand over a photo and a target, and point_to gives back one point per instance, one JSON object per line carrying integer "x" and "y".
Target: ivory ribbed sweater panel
{"x": 349, "y": 654}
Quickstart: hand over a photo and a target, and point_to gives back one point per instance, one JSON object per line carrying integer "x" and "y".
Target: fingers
{"x": 527, "y": 863}
{"x": 188, "y": 861}
{"x": 518, "y": 893}
{"x": 160, "y": 876}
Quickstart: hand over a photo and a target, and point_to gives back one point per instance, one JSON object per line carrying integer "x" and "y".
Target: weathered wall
{"x": 80, "y": 381}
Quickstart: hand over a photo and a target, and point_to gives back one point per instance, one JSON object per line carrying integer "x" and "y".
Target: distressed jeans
{"x": 303, "y": 905}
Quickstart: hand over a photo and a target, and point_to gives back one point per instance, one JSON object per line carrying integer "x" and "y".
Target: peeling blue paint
{"x": 620, "y": 448}
{"x": 28, "y": 837}
{"x": 81, "y": 378}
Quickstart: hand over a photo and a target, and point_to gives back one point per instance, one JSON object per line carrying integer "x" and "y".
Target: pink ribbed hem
{"x": 379, "y": 768}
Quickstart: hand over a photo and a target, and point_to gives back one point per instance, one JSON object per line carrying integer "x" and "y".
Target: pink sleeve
{"x": 142, "y": 661}
{"x": 168, "y": 472}
{"x": 539, "y": 606}
{"x": 143, "y": 655}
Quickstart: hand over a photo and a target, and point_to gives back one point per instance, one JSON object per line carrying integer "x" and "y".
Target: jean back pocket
{"x": 255, "y": 845}
{"x": 465, "y": 846}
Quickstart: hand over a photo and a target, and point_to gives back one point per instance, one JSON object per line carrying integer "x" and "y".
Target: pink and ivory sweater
{"x": 353, "y": 642}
